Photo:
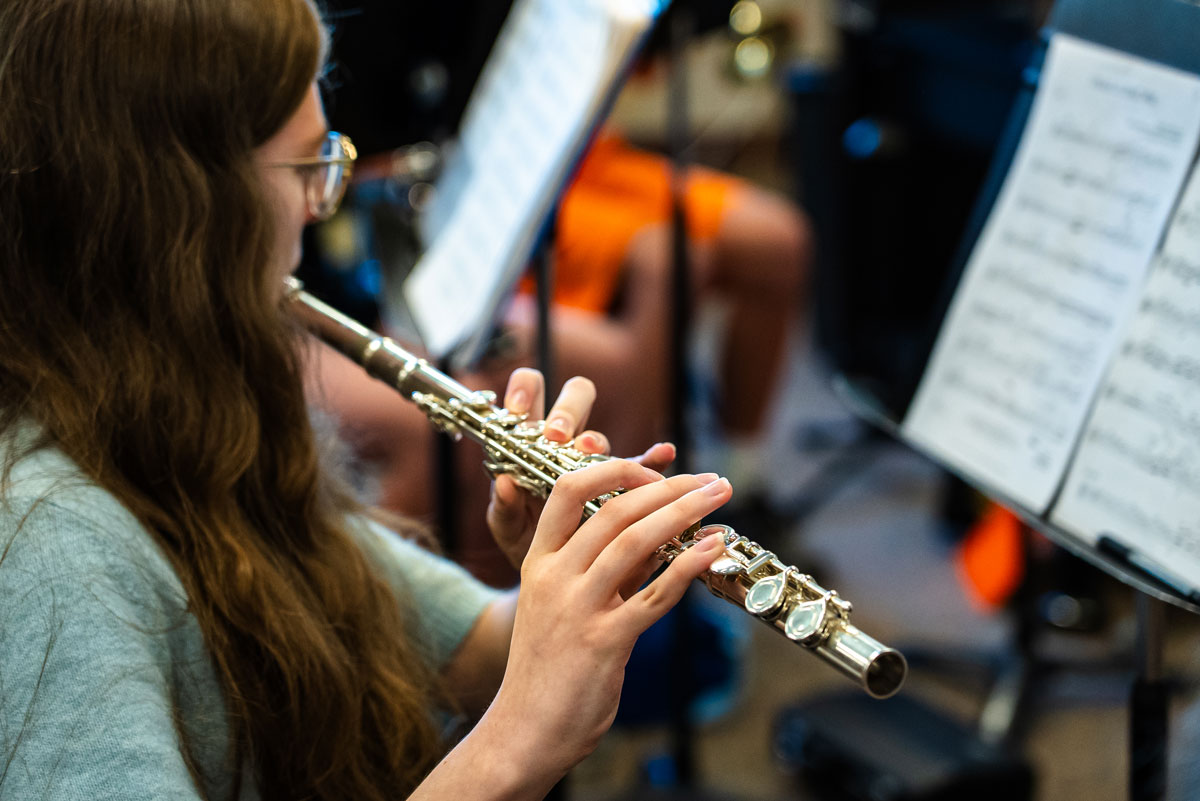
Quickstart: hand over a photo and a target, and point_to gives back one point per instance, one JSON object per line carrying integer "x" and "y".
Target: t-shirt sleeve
{"x": 85, "y": 706}
{"x": 446, "y": 599}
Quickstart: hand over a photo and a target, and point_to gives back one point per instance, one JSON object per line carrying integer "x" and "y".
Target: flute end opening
{"x": 885, "y": 674}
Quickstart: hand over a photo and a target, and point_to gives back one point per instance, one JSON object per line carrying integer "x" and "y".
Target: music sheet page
{"x": 535, "y": 101}
{"x": 1057, "y": 268}
{"x": 1136, "y": 476}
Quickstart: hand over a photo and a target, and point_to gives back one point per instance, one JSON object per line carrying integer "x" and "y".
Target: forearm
{"x": 489, "y": 764}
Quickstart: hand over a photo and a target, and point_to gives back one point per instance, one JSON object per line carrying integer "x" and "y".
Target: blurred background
{"x": 868, "y": 128}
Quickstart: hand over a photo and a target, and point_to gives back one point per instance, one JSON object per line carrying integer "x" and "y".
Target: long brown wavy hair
{"x": 140, "y": 328}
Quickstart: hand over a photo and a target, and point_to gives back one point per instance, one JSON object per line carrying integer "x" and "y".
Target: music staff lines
{"x": 1115, "y": 235}
{"x": 1066, "y": 259}
{"x": 990, "y": 395}
{"x": 1160, "y": 360}
{"x": 1113, "y": 149}
{"x": 1139, "y": 519}
{"x": 1174, "y": 469}
{"x": 1029, "y": 369}
{"x": 1163, "y": 409}
{"x": 1168, "y": 134}
{"x": 1172, "y": 316}
{"x": 1072, "y": 353}
{"x": 1074, "y": 177}
{"x": 1016, "y": 280}
{"x": 1184, "y": 271}
{"x": 1188, "y": 221}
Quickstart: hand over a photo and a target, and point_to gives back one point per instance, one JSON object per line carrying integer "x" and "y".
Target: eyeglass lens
{"x": 327, "y": 184}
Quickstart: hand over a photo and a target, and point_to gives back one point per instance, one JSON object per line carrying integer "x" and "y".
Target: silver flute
{"x": 747, "y": 574}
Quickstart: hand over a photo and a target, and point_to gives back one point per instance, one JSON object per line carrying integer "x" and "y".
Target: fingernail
{"x": 707, "y": 478}
{"x": 587, "y": 441}
{"x": 556, "y": 426}
{"x": 712, "y": 542}
{"x": 519, "y": 402}
{"x": 716, "y": 487}
{"x": 654, "y": 475}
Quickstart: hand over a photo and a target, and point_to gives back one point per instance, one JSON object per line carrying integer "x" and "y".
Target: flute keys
{"x": 806, "y": 621}
{"x": 716, "y": 530}
{"x": 766, "y": 596}
{"x": 725, "y": 564}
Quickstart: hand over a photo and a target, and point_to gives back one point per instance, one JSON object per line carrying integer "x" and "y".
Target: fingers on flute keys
{"x": 526, "y": 394}
{"x": 616, "y": 544}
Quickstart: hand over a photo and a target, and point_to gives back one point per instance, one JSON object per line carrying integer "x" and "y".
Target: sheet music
{"x": 1136, "y": 476}
{"x": 1057, "y": 268}
{"x": 534, "y": 104}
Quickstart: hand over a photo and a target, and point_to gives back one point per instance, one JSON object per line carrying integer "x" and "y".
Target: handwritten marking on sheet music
{"x": 1136, "y": 476}
{"x": 1057, "y": 268}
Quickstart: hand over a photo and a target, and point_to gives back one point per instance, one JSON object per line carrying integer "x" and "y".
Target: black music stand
{"x": 1162, "y": 31}
{"x": 680, "y": 694}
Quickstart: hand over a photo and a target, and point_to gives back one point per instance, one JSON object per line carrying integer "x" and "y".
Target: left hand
{"x": 512, "y": 513}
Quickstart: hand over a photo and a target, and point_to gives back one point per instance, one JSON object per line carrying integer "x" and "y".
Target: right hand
{"x": 578, "y": 614}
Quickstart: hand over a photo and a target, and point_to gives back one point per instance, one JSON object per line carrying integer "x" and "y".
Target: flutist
{"x": 191, "y": 603}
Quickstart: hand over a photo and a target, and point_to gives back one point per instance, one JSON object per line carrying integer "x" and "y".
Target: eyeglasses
{"x": 326, "y": 176}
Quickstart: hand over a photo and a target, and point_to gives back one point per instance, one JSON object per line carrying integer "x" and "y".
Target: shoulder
{"x": 60, "y": 531}
{"x": 77, "y": 570}
{"x": 92, "y": 615}
{"x": 78, "y": 573}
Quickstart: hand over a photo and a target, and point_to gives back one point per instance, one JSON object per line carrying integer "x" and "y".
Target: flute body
{"x": 747, "y": 574}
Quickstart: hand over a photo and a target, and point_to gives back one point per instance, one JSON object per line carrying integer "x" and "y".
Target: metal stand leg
{"x": 1148, "y": 706}
{"x": 543, "y": 269}
{"x": 446, "y": 484}
{"x": 681, "y": 694}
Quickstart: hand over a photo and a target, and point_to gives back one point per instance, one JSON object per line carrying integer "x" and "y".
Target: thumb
{"x": 506, "y": 511}
{"x": 507, "y": 519}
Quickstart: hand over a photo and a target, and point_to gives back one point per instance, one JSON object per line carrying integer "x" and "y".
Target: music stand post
{"x": 681, "y": 695}
{"x": 445, "y": 478}
{"x": 1148, "y": 700}
{"x": 543, "y": 272}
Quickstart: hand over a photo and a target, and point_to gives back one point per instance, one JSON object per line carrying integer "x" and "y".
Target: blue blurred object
{"x": 862, "y": 138}
{"x": 717, "y": 639}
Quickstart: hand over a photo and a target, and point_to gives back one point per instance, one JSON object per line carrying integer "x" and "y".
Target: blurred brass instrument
{"x": 747, "y": 574}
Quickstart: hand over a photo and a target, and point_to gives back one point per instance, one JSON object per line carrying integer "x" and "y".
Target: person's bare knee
{"x": 765, "y": 246}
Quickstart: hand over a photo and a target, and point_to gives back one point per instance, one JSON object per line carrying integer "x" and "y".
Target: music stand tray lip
{"x": 1113, "y": 558}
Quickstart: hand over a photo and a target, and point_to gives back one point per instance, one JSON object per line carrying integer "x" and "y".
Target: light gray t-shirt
{"x": 102, "y": 667}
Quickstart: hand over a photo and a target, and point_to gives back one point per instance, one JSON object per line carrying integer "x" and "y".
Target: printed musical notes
{"x": 1136, "y": 476}
{"x": 539, "y": 95}
{"x": 1057, "y": 270}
